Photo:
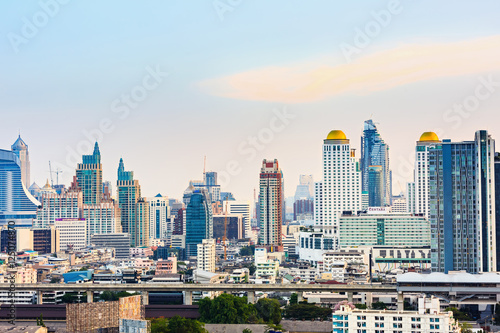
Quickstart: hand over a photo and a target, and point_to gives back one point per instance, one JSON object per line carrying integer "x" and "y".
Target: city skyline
{"x": 77, "y": 75}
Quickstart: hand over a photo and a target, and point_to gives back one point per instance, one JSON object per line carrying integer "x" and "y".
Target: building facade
{"x": 271, "y": 204}
{"x": 462, "y": 205}
{"x": 128, "y": 192}
{"x": 206, "y": 255}
{"x": 89, "y": 177}
{"x": 199, "y": 221}
{"x": 20, "y": 148}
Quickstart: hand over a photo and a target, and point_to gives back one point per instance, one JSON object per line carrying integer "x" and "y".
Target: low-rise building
{"x": 428, "y": 318}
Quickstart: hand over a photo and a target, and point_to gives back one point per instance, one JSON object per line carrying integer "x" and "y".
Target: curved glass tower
{"x": 16, "y": 203}
{"x": 199, "y": 222}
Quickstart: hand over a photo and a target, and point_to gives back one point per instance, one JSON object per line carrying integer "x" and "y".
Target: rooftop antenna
{"x": 57, "y": 172}
{"x": 204, "y": 163}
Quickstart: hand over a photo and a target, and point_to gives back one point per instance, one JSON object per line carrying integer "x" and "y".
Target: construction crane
{"x": 57, "y": 172}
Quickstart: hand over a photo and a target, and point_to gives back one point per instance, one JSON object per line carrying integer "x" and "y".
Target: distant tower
{"x": 271, "y": 203}
{"x": 375, "y": 152}
{"x": 89, "y": 177}
{"x": 128, "y": 193}
{"x": 418, "y": 190}
{"x": 199, "y": 221}
{"x": 20, "y": 148}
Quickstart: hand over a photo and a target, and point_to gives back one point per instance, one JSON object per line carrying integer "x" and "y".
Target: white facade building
{"x": 206, "y": 255}
{"x": 160, "y": 223}
{"x": 102, "y": 218}
{"x": 265, "y": 266}
{"x": 58, "y": 206}
{"x": 339, "y": 191}
{"x": 72, "y": 233}
{"x": 428, "y": 319}
{"x": 418, "y": 191}
{"x": 243, "y": 208}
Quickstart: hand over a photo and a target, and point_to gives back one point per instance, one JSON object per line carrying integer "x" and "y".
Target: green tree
{"x": 39, "y": 321}
{"x": 459, "y": 315}
{"x": 360, "y": 306}
{"x": 227, "y": 309}
{"x": 465, "y": 327}
{"x": 247, "y": 330}
{"x": 379, "y": 306}
{"x": 247, "y": 250}
{"x": 269, "y": 310}
{"x": 159, "y": 325}
{"x": 294, "y": 299}
{"x": 178, "y": 324}
{"x": 69, "y": 298}
{"x": 304, "y": 311}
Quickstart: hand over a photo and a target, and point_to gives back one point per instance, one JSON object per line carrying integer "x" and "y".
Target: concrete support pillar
{"x": 39, "y": 297}
{"x": 90, "y": 296}
{"x": 188, "y": 297}
{"x": 349, "y": 296}
{"x": 368, "y": 299}
{"x": 300, "y": 296}
{"x": 251, "y": 297}
{"x": 401, "y": 301}
{"x": 145, "y": 297}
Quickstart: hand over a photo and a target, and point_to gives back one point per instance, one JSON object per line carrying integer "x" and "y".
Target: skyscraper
{"x": 243, "y": 208}
{"x": 418, "y": 190}
{"x": 16, "y": 203}
{"x": 305, "y": 189}
{"x": 20, "y": 148}
{"x": 128, "y": 194}
{"x": 497, "y": 207}
{"x": 271, "y": 203}
{"x": 159, "y": 218}
{"x": 374, "y": 151}
{"x": 199, "y": 221}
{"x": 340, "y": 191}
{"x": 142, "y": 227}
{"x": 89, "y": 177}
{"x": 462, "y": 205}
{"x": 375, "y": 186}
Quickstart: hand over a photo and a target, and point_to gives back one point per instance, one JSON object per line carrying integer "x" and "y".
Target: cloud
{"x": 318, "y": 80}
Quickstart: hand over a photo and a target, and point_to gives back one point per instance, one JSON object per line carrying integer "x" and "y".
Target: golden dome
{"x": 336, "y": 135}
{"x": 429, "y": 136}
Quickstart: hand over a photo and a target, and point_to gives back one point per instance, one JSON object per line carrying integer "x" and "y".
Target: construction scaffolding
{"x": 102, "y": 317}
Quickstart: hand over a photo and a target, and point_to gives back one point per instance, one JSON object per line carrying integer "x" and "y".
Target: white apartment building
{"x": 418, "y": 190}
{"x": 339, "y": 191}
{"x": 399, "y": 204}
{"x": 428, "y": 319}
{"x": 102, "y": 218}
{"x": 206, "y": 255}
{"x": 160, "y": 226}
{"x": 58, "y": 206}
{"x": 72, "y": 233}
{"x": 265, "y": 266}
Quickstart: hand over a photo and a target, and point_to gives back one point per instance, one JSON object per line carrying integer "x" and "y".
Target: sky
{"x": 163, "y": 84}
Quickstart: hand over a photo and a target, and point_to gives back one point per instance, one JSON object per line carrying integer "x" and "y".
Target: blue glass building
{"x": 462, "y": 201}
{"x": 374, "y": 151}
{"x": 128, "y": 193}
{"x": 89, "y": 177}
{"x": 16, "y": 203}
{"x": 375, "y": 186}
{"x": 199, "y": 221}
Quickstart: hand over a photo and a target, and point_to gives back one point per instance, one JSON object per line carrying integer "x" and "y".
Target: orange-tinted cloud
{"x": 314, "y": 81}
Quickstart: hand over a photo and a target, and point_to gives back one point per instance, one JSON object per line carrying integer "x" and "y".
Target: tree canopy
{"x": 304, "y": 311}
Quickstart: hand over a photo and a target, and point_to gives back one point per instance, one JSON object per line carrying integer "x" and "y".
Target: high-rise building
{"x": 271, "y": 203}
{"x": 72, "y": 233}
{"x": 303, "y": 209}
{"x": 142, "y": 226}
{"x": 231, "y": 224}
{"x": 17, "y": 205}
{"x": 102, "y": 218}
{"x": 67, "y": 205}
{"x": 46, "y": 240}
{"x": 340, "y": 191}
{"x": 462, "y": 205}
{"x": 159, "y": 218}
{"x": 20, "y": 148}
{"x": 243, "y": 208}
{"x": 399, "y": 204}
{"x": 374, "y": 151}
{"x": 206, "y": 255}
{"x": 180, "y": 222}
{"x": 128, "y": 192}
{"x": 418, "y": 190}
{"x": 376, "y": 186}
{"x": 497, "y": 207}
{"x": 89, "y": 177}
{"x": 305, "y": 189}
{"x": 199, "y": 220}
